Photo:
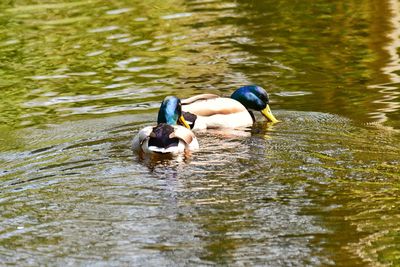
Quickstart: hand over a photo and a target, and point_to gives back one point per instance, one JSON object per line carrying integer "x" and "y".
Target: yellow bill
{"x": 268, "y": 114}
{"x": 184, "y": 122}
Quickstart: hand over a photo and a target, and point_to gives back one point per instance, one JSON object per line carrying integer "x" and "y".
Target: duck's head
{"x": 254, "y": 97}
{"x": 171, "y": 112}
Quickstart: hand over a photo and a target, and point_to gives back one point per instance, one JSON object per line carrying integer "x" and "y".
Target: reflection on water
{"x": 79, "y": 79}
{"x": 391, "y": 67}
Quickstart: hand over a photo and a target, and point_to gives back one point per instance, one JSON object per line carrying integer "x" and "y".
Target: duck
{"x": 212, "y": 111}
{"x": 167, "y": 137}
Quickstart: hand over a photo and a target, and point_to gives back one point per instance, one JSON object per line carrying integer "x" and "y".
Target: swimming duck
{"x": 212, "y": 111}
{"x": 167, "y": 137}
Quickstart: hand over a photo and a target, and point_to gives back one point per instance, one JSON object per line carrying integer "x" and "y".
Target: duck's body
{"x": 166, "y": 137}
{"x": 212, "y": 111}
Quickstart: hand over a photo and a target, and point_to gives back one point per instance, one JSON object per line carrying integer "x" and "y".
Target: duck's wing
{"x": 141, "y": 136}
{"x": 214, "y": 106}
{"x": 196, "y": 98}
{"x": 186, "y": 136}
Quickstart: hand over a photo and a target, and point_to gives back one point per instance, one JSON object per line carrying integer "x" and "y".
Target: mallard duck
{"x": 167, "y": 137}
{"x": 212, "y": 111}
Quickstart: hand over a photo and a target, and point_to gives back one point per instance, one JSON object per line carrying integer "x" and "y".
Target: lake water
{"x": 79, "y": 78}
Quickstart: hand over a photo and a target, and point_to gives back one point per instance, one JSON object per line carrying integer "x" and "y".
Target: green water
{"x": 79, "y": 78}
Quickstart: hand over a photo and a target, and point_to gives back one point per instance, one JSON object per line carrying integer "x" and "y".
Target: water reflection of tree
{"x": 336, "y": 50}
{"x": 386, "y": 42}
{"x": 345, "y": 52}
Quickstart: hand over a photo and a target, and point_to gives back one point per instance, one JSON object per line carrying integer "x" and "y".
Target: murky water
{"x": 79, "y": 78}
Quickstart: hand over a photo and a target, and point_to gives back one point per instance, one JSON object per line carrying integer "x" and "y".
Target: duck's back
{"x": 165, "y": 139}
{"x": 217, "y": 112}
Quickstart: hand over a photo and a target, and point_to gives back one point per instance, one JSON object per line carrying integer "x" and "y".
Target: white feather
{"x": 235, "y": 120}
{"x": 224, "y": 113}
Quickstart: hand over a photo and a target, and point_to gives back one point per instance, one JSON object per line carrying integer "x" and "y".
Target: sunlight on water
{"x": 79, "y": 79}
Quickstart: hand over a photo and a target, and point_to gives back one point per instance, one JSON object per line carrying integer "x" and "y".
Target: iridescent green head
{"x": 254, "y": 97}
{"x": 170, "y": 112}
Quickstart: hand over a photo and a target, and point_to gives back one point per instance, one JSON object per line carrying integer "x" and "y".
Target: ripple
{"x": 95, "y": 53}
{"x": 118, "y": 36}
{"x": 293, "y": 93}
{"x": 41, "y": 7}
{"x": 141, "y": 19}
{"x": 118, "y": 11}
{"x": 177, "y": 16}
{"x": 104, "y": 29}
{"x": 123, "y": 63}
{"x": 315, "y": 189}
{"x": 84, "y": 73}
{"x": 118, "y": 85}
{"x": 138, "y": 43}
{"x": 122, "y": 78}
{"x": 129, "y": 91}
{"x": 125, "y": 40}
{"x": 144, "y": 68}
{"x": 56, "y": 22}
{"x": 10, "y": 42}
{"x": 49, "y": 77}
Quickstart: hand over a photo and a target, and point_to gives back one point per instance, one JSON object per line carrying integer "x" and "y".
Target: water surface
{"x": 80, "y": 78}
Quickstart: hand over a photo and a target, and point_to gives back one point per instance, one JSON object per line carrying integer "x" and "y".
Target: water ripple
{"x": 118, "y": 11}
{"x": 176, "y": 16}
{"x": 315, "y": 189}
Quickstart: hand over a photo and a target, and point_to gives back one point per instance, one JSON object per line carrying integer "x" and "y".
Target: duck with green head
{"x": 167, "y": 137}
{"x": 212, "y": 111}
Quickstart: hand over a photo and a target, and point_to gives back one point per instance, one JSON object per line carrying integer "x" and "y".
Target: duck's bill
{"x": 184, "y": 122}
{"x": 268, "y": 114}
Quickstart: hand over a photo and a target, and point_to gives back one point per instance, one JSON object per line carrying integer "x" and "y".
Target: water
{"x": 80, "y": 78}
